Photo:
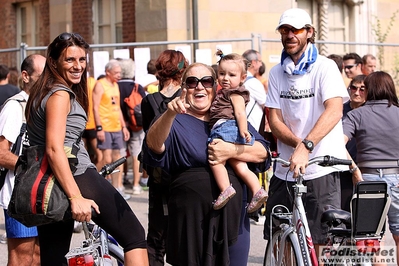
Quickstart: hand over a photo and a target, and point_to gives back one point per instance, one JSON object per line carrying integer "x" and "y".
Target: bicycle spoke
{"x": 274, "y": 252}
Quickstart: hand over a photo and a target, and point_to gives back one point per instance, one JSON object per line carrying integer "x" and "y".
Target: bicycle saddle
{"x": 334, "y": 218}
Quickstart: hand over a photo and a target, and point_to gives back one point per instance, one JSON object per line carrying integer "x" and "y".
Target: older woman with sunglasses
{"x": 178, "y": 142}
{"x": 56, "y": 117}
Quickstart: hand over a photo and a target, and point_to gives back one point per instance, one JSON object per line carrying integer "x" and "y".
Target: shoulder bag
{"x": 37, "y": 197}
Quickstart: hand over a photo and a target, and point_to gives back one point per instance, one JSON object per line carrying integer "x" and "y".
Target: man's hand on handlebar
{"x": 299, "y": 160}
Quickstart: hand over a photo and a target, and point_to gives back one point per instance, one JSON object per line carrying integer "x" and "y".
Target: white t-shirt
{"x": 256, "y": 101}
{"x": 10, "y": 126}
{"x": 146, "y": 79}
{"x": 300, "y": 99}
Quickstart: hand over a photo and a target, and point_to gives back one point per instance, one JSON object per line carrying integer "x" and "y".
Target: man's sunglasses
{"x": 286, "y": 30}
{"x": 349, "y": 66}
{"x": 192, "y": 82}
{"x": 354, "y": 88}
{"x": 67, "y": 36}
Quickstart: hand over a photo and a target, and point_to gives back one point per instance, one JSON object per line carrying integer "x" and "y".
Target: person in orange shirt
{"x": 90, "y": 135}
{"x": 110, "y": 125}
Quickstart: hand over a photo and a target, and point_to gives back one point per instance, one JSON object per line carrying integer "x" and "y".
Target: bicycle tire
{"x": 116, "y": 252}
{"x": 273, "y": 250}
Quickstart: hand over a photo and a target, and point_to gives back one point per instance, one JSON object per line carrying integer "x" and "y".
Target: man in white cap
{"x": 305, "y": 98}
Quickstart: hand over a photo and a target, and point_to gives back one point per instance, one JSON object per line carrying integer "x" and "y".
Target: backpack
{"x": 159, "y": 106}
{"x": 133, "y": 109}
{"x": 17, "y": 144}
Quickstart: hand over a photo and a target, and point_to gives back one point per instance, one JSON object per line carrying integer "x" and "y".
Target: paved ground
{"x": 139, "y": 205}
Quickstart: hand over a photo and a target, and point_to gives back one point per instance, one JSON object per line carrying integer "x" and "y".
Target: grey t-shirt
{"x": 76, "y": 123}
{"x": 375, "y": 127}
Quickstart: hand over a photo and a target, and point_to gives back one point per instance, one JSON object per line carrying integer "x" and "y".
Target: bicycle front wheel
{"x": 283, "y": 250}
{"x": 116, "y": 253}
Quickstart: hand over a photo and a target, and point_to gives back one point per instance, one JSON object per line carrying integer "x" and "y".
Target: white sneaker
{"x": 122, "y": 192}
{"x": 125, "y": 196}
{"x": 137, "y": 190}
{"x": 3, "y": 238}
{"x": 261, "y": 220}
{"x": 143, "y": 181}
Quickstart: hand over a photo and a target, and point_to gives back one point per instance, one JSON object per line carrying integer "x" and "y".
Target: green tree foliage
{"x": 381, "y": 35}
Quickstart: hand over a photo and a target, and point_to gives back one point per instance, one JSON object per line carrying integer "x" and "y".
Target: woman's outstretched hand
{"x": 178, "y": 104}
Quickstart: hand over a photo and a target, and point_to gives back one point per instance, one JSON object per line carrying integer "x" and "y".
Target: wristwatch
{"x": 308, "y": 144}
{"x": 99, "y": 128}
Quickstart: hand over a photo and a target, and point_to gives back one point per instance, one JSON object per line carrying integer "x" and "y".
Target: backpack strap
{"x": 19, "y": 98}
{"x": 253, "y": 106}
{"x": 136, "y": 87}
{"x": 155, "y": 100}
{"x": 17, "y": 144}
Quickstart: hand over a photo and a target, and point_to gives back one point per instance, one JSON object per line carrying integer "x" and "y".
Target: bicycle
{"x": 98, "y": 248}
{"x": 291, "y": 243}
{"x": 360, "y": 230}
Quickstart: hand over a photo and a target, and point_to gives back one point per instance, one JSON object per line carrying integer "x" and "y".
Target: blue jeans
{"x": 228, "y": 131}
{"x": 393, "y": 191}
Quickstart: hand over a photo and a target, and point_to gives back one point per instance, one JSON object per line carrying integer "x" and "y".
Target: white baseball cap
{"x": 295, "y": 17}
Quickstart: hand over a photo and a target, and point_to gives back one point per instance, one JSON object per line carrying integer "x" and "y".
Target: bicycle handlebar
{"x": 109, "y": 168}
{"x": 326, "y": 160}
{"x": 105, "y": 170}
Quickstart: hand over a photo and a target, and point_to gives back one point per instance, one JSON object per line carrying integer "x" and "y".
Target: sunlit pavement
{"x": 139, "y": 204}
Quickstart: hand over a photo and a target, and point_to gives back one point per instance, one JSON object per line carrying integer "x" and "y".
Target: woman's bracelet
{"x": 75, "y": 197}
{"x": 353, "y": 169}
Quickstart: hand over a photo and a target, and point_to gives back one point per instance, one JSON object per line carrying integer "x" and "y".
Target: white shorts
{"x": 135, "y": 142}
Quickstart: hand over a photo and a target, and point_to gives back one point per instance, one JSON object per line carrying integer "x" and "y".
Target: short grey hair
{"x": 111, "y": 64}
{"x": 250, "y": 55}
{"x": 128, "y": 68}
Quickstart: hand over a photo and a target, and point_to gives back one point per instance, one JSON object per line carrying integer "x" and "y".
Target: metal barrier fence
{"x": 17, "y": 55}
{"x": 387, "y": 54}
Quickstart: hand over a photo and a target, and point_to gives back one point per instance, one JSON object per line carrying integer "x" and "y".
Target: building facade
{"x": 37, "y": 22}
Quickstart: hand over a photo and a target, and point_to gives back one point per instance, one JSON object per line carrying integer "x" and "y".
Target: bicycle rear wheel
{"x": 284, "y": 245}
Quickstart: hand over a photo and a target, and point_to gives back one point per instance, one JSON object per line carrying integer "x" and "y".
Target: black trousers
{"x": 157, "y": 222}
{"x": 116, "y": 217}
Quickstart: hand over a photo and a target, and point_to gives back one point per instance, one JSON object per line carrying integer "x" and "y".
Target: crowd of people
{"x": 201, "y": 143}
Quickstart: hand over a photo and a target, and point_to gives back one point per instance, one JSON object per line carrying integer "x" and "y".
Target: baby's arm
{"x": 240, "y": 115}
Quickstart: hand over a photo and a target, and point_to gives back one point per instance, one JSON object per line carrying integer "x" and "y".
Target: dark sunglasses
{"x": 349, "y": 66}
{"x": 286, "y": 30}
{"x": 192, "y": 82}
{"x": 67, "y": 36}
{"x": 354, "y": 88}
